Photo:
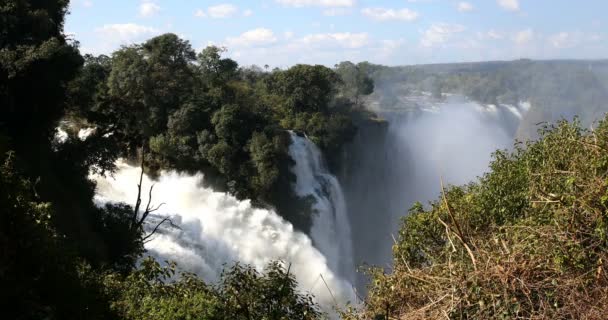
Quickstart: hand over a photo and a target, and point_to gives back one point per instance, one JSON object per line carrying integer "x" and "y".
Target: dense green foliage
{"x": 36, "y": 261}
{"x": 50, "y": 229}
{"x": 201, "y": 112}
{"x": 242, "y": 293}
{"x": 528, "y": 240}
{"x": 356, "y": 80}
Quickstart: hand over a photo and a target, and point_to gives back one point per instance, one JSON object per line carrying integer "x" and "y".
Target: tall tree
{"x": 306, "y": 88}
{"x": 355, "y": 80}
{"x": 36, "y": 62}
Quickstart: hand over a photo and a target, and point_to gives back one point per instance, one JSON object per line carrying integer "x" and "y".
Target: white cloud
{"x": 490, "y": 35}
{"x": 288, "y": 35}
{"x": 200, "y": 13}
{"x": 148, "y": 9}
{"x": 465, "y": 7}
{"x": 567, "y": 40}
{"x": 82, "y": 3}
{"x": 523, "y": 37}
{"x": 317, "y": 3}
{"x": 389, "y": 47}
{"x": 319, "y": 48}
{"x": 563, "y": 40}
{"x": 495, "y": 35}
{"x": 255, "y": 37}
{"x": 382, "y": 14}
{"x": 224, "y": 10}
{"x": 510, "y": 5}
{"x": 595, "y": 37}
{"x": 110, "y": 37}
{"x": 332, "y": 12}
{"x": 125, "y": 31}
{"x": 342, "y": 40}
{"x": 439, "y": 33}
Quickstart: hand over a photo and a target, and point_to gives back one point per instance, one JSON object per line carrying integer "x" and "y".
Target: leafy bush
{"x": 242, "y": 293}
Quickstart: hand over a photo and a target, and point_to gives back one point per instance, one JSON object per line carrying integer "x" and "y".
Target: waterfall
{"x": 330, "y": 229}
{"x": 426, "y": 142}
{"x": 217, "y": 229}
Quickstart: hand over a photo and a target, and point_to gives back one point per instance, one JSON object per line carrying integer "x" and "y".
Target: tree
{"x": 35, "y": 58}
{"x": 148, "y": 82}
{"x": 305, "y": 88}
{"x": 40, "y": 275}
{"x": 214, "y": 69}
{"x": 356, "y": 81}
{"x": 89, "y": 87}
{"x": 169, "y": 77}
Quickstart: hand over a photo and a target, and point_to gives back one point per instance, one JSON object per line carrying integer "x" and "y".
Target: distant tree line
{"x": 556, "y": 89}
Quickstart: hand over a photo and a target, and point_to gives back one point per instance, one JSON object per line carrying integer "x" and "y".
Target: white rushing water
{"x": 330, "y": 229}
{"x": 216, "y": 229}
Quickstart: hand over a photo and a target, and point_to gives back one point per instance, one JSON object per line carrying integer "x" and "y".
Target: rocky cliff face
{"x": 364, "y": 176}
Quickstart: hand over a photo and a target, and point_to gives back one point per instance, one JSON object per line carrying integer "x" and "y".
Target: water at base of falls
{"x": 217, "y": 229}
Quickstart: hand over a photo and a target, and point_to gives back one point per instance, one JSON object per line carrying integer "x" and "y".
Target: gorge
{"x": 386, "y": 168}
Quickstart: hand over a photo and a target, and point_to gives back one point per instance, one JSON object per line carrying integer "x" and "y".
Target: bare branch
{"x": 328, "y": 289}
{"x": 138, "y": 202}
{"x": 145, "y": 239}
{"x": 158, "y": 207}
{"x": 449, "y": 208}
{"x": 458, "y": 232}
{"x": 149, "y": 198}
{"x": 147, "y": 211}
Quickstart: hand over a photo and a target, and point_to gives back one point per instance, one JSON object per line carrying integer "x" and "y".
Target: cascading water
{"x": 330, "y": 229}
{"x": 217, "y": 229}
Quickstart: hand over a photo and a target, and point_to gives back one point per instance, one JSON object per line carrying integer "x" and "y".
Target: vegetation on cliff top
{"x": 202, "y": 112}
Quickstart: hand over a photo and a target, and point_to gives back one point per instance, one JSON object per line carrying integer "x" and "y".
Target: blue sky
{"x": 281, "y": 33}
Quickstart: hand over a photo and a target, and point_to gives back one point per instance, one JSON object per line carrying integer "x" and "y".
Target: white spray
{"x": 330, "y": 229}
{"x": 217, "y": 229}
{"x": 424, "y": 141}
